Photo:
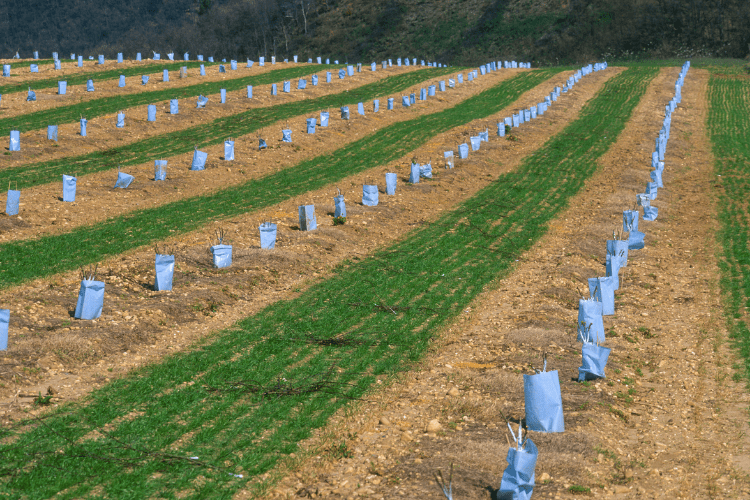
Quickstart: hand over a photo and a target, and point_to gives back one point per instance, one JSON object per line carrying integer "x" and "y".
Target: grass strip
{"x": 27, "y": 63}
{"x": 255, "y": 391}
{"x": 98, "y": 76}
{"x": 729, "y": 130}
{"x": 214, "y": 132}
{"x": 25, "y": 260}
{"x": 109, "y": 105}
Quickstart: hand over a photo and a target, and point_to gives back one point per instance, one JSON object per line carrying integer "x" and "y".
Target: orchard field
{"x": 358, "y": 359}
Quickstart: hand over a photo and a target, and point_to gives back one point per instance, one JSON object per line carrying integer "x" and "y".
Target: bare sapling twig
{"x": 446, "y": 488}
{"x": 88, "y": 273}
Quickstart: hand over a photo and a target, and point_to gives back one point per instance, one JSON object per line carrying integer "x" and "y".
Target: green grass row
{"x": 98, "y": 76}
{"x": 214, "y": 132}
{"x": 21, "y": 261}
{"x": 729, "y": 129}
{"x": 263, "y": 385}
{"x": 109, "y": 105}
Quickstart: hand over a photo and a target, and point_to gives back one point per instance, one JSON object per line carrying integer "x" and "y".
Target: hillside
{"x": 451, "y": 31}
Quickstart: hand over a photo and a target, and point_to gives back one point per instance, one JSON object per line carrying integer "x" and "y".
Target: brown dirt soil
{"x": 15, "y": 103}
{"x": 668, "y": 422}
{"x": 138, "y": 326}
{"x": 44, "y": 212}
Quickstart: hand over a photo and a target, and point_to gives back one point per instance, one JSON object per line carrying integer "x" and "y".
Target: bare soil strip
{"x": 42, "y": 210}
{"x": 140, "y": 326}
{"x": 668, "y": 422}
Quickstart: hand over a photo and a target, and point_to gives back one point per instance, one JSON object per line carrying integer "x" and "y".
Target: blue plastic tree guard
{"x": 650, "y": 213}
{"x": 15, "y": 140}
{"x": 518, "y": 478}
{"x": 373, "y": 67}
{"x": 613, "y": 269}
{"x": 412, "y": 98}
{"x": 261, "y": 61}
{"x": 4, "y": 322}
{"x": 391, "y": 181}
{"x": 228, "y": 150}
{"x": 120, "y": 120}
{"x": 11, "y": 204}
{"x": 301, "y": 84}
{"x": 543, "y": 400}
{"x": 350, "y": 70}
{"x": 165, "y": 75}
{"x": 119, "y": 57}
{"x": 451, "y": 82}
{"x": 656, "y": 177}
{"x": 593, "y": 361}
{"x": 635, "y": 239}
{"x": 286, "y": 87}
{"x": 339, "y": 206}
{"x": 6, "y": 70}
{"x": 448, "y": 155}
{"x": 33, "y": 68}
{"x": 516, "y": 120}
{"x": 121, "y": 82}
{"x": 484, "y": 136}
{"x": 164, "y": 265}
{"x": 160, "y": 170}
{"x": 426, "y": 171}
{"x": 324, "y": 118}
{"x": 80, "y": 61}
{"x": 630, "y": 220}
{"x": 223, "y": 96}
{"x": 319, "y": 60}
{"x": 174, "y": 106}
{"x": 151, "y": 112}
{"x": 619, "y": 248}
{"x": 405, "y": 102}
{"x": 157, "y": 57}
{"x": 249, "y": 91}
{"x": 342, "y": 74}
{"x": 144, "y": 79}
{"x": 89, "y": 85}
{"x": 222, "y": 255}
{"x": 261, "y": 144}
{"x": 267, "y": 235}
{"x": 652, "y": 190}
{"x": 90, "y": 300}
{"x": 431, "y": 90}
{"x": 31, "y": 96}
{"x": 590, "y": 326}
{"x": 475, "y": 142}
{"x": 202, "y": 70}
{"x": 398, "y": 62}
{"x": 274, "y": 91}
{"x": 370, "y": 195}
{"x": 52, "y": 133}
{"x": 422, "y": 94}
{"x": 101, "y": 59}
{"x": 186, "y": 56}
{"x": 250, "y": 63}
{"x": 460, "y": 78}
{"x": 501, "y": 129}
{"x": 307, "y": 221}
{"x": 202, "y": 101}
{"x": 375, "y": 105}
{"x": 314, "y": 79}
{"x": 526, "y": 115}
{"x": 199, "y": 160}
{"x": 138, "y": 56}
{"x": 389, "y": 106}
{"x": 123, "y": 180}
{"x": 295, "y": 59}
{"x": 233, "y": 65}
{"x": 463, "y": 151}
{"x": 361, "y": 109}
{"x": 286, "y": 135}
{"x": 311, "y": 125}
{"x": 84, "y": 122}
{"x": 62, "y": 87}
{"x": 414, "y": 173}
{"x": 328, "y": 77}
{"x": 344, "y": 112}
{"x": 602, "y": 290}
{"x": 442, "y": 85}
